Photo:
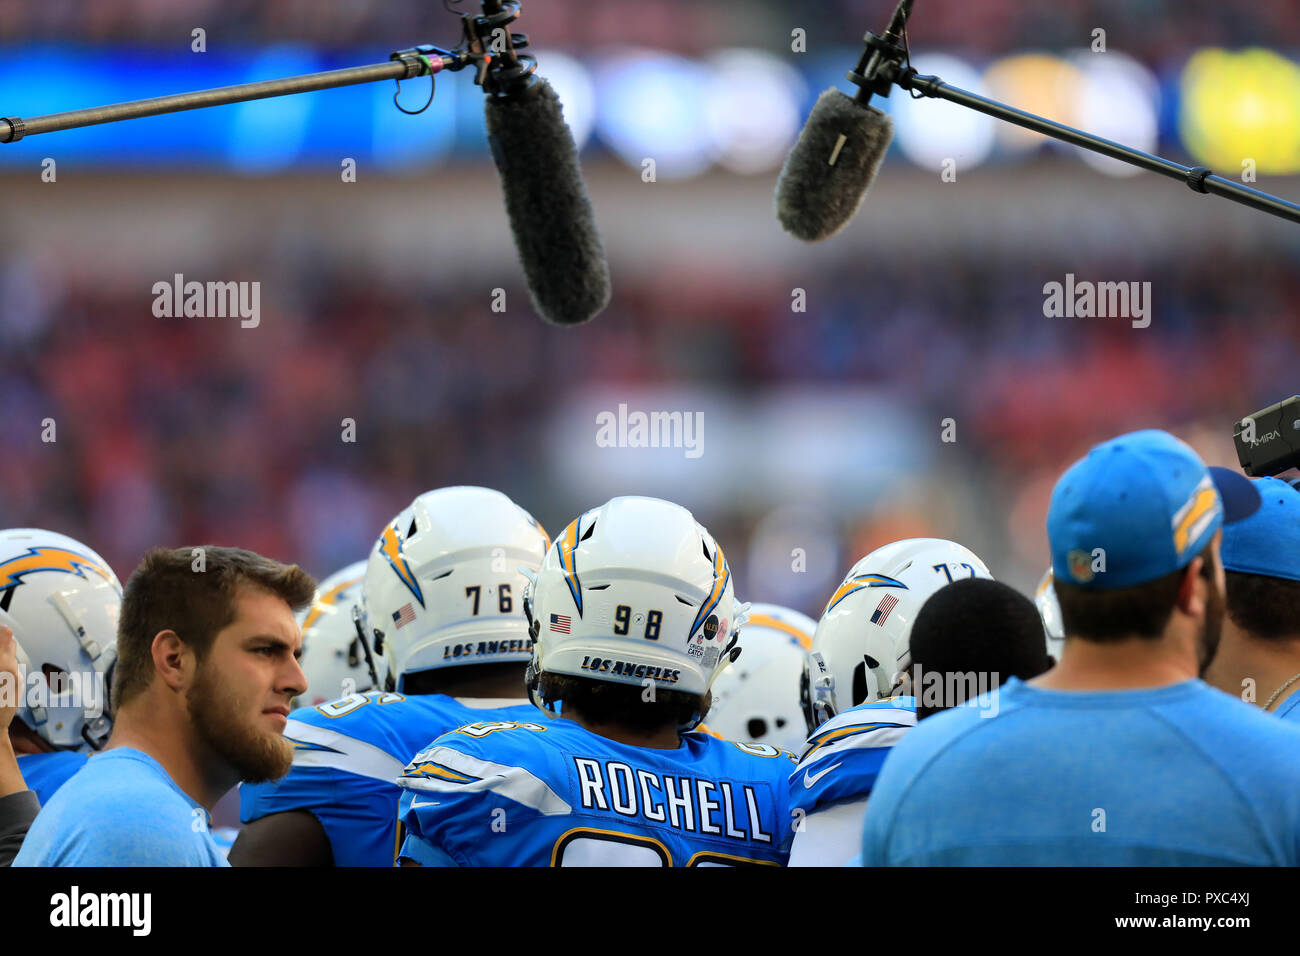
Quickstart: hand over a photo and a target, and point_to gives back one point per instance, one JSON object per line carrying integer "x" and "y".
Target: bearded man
{"x": 1119, "y": 755}
{"x": 207, "y": 666}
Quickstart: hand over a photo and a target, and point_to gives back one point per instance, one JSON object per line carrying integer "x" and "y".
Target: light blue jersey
{"x": 838, "y": 769}
{"x": 843, "y": 756}
{"x": 554, "y": 794}
{"x": 120, "y": 809}
{"x": 348, "y": 755}
{"x": 1175, "y": 776}
{"x": 45, "y": 773}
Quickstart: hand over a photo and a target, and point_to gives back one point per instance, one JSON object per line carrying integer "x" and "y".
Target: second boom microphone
{"x": 550, "y": 213}
{"x": 839, "y": 151}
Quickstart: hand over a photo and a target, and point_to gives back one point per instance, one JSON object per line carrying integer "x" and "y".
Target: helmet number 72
{"x": 944, "y": 569}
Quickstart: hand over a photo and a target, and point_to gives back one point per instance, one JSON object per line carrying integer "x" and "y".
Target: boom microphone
{"x": 550, "y": 213}
{"x": 546, "y": 200}
{"x": 835, "y": 160}
{"x": 827, "y": 174}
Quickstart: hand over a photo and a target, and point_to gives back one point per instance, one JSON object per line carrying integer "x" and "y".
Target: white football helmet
{"x": 861, "y": 648}
{"x": 1049, "y": 609}
{"x": 333, "y": 656}
{"x": 756, "y": 699}
{"x": 62, "y": 601}
{"x": 443, "y": 584}
{"x": 631, "y": 590}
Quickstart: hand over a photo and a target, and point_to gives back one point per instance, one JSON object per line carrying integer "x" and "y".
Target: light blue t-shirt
{"x": 120, "y": 809}
{"x": 45, "y": 773}
{"x": 1183, "y": 775}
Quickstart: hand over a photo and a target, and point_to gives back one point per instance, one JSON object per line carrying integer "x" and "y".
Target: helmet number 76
{"x": 504, "y": 602}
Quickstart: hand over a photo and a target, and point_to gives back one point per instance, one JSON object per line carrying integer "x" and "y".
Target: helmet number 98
{"x": 505, "y": 604}
{"x": 623, "y": 622}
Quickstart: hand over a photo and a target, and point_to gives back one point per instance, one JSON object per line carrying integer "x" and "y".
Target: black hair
{"x": 976, "y": 627}
{"x": 606, "y": 702}
{"x": 1265, "y": 607}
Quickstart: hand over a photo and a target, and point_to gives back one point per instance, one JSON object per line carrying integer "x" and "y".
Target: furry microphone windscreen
{"x": 546, "y": 200}
{"x": 828, "y": 172}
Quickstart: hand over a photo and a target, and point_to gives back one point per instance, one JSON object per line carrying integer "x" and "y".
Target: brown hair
{"x": 191, "y": 591}
{"x": 1108, "y": 615}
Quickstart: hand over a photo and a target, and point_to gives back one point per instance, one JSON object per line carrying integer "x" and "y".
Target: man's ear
{"x": 1191, "y": 589}
{"x": 173, "y": 660}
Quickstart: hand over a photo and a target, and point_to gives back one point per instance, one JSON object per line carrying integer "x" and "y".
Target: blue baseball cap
{"x": 1139, "y": 507}
{"x": 1268, "y": 542}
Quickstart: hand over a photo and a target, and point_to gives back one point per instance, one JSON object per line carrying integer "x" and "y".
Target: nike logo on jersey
{"x": 416, "y": 804}
{"x": 811, "y": 778}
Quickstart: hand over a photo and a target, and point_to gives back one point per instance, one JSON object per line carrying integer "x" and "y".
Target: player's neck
{"x": 1133, "y": 663}
{"x": 665, "y": 738}
{"x": 173, "y": 742}
{"x": 501, "y": 682}
{"x": 1245, "y": 663}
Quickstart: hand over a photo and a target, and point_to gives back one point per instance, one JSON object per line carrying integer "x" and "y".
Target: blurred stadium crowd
{"x": 1151, "y": 28}
{"x": 198, "y": 431}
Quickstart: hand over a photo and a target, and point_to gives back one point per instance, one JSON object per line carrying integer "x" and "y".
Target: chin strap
{"x": 534, "y": 626}
{"x": 730, "y": 654}
{"x": 818, "y": 692}
{"x": 365, "y": 646}
{"x": 533, "y": 683}
{"x": 902, "y": 685}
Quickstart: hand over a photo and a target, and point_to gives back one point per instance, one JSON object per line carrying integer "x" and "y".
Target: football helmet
{"x": 1049, "y": 609}
{"x": 62, "y": 601}
{"x": 757, "y": 698}
{"x": 443, "y": 584}
{"x": 631, "y": 590}
{"x": 860, "y": 649}
{"x": 333, "y": 654}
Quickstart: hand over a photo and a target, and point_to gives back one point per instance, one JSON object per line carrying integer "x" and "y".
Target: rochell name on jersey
{"x": 685, "y": 803}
